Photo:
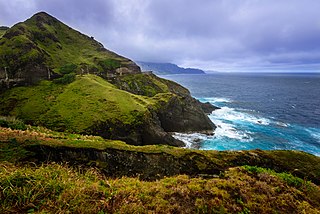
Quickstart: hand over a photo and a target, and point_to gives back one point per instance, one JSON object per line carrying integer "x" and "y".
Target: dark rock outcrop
{"x": 151, "y": 165}
{"x": 153, "y": 132}
{"x": 148, "y": 132}
{"x": 184, "y": 114}
{"x": 208, "y": 108}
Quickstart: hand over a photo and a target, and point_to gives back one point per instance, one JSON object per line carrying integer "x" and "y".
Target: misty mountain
{"x": 167, "y": 68}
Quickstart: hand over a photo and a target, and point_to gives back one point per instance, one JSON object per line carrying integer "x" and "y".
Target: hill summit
{"x": 42, "y": 47}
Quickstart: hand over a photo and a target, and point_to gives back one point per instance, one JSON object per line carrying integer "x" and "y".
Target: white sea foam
{"x": 314, "y": 132}
{"x": 282, "y": 124}
{"x": 217, "y": 100}
{"x": 229, "y": 114}
{"x": 229, "y": 131}
{"x": 223, "y": 119}
{"x": 190, "y": 139}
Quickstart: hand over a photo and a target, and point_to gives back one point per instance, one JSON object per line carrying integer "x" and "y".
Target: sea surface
{"x": 258, "y": 111}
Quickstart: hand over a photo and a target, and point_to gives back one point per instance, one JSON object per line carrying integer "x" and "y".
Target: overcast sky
{"x": 224, "y": 35}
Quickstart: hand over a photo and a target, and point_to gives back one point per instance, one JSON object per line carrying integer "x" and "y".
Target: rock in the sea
{"x": 184, "y": 114}
{"x": 208, "y": 108}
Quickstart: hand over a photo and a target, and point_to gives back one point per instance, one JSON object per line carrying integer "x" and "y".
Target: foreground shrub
{"x": 13, "y": 123}
{"x": 56, "y": 188}
{"x": 65, "y": 79}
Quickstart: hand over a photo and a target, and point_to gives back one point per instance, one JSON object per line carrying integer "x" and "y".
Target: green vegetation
{"x": 68, "y": 68}
{"x": 65, "y": 79}
{"x": 148, "y": 85}
{"x": 286, "y": 177}
{"x": 109, "y": 64}
{"x": 55, "y": 188}
{"x": 142, "y": 84}
{"x": 13, "y": 123}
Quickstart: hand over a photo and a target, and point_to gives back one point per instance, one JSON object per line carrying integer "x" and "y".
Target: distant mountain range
{"x": 167, "y": 68}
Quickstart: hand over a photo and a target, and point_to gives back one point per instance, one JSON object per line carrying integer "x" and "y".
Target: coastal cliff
{"x": 54, "y": 76}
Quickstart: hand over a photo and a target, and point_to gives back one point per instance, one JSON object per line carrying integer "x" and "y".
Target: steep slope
{"x": 56, "y": 77}
{"x": 43, "y": 47}
{"x": 167, "y": 68}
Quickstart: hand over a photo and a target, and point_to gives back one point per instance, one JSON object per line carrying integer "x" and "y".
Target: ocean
{"x": 258, "y": 110}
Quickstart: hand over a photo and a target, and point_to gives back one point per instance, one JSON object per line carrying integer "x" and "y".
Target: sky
{"x": 216, "y": 35}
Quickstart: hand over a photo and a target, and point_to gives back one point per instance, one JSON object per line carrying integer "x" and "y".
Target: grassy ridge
{"x": 18, "y": 145}
{"x": 239, "y": 188}
{"x": 149, "y": 85}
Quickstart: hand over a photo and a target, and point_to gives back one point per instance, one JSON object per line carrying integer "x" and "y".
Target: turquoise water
{"x": 258, "y": 111}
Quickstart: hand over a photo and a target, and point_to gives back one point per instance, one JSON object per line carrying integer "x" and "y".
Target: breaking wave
{"x": 244, "y": 129}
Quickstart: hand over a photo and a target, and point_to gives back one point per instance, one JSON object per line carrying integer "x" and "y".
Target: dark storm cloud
{"x": 96, "y": 12}
{"x": 212, "y": 34}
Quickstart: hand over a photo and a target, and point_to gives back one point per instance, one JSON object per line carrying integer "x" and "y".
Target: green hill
{"x": 54, "y": 76}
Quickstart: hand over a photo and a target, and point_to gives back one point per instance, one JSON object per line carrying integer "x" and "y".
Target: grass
{"x": 149, "y": 85}
{"x": 55, "y": 188}
{"x": 286, "y": 177}
{"x": 143, "y": 84}
{"x": 12, "y": 123}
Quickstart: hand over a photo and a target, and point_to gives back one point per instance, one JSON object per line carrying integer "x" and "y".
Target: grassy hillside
{"x": 148, "y": 85}
{"x": 246, "y": 182}
{"x": 78, "y": 106}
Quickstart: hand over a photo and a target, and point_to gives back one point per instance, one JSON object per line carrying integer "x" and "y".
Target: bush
{"x": 290, "y": 179}
{"x": 68, "y": 68}
{"x": 109, "y": 64}
{"x": 13, "y": 123}
{"x": 66, "y": 79}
